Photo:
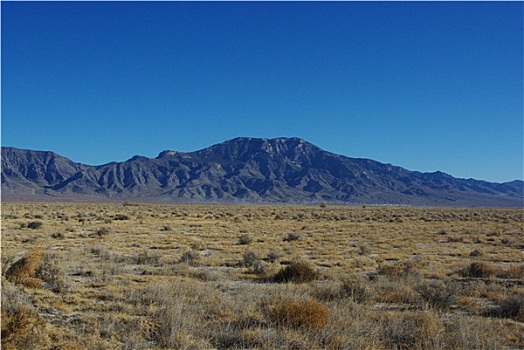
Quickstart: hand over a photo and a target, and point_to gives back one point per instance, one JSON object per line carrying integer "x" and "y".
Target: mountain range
{"x": 244, "y": 170}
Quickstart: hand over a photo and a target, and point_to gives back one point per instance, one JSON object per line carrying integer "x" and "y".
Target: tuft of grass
{"x": 23, "y": 271}
{"x": 34, "y": 224}
{"x": 121, "y": 217}
{"x": 476, "y": 252}
{"x": 245, "y": 239}
{"x": 299, "y": 314}
{"x": 249, "y": 258}
{"x": 511, "y": 307}
{"x": 398, "y": 269}
{"x": 190, "y": 257}
{"x": 58, "y": 235}
{"x": 51, "y": 271}
{"x": 292, "y": 236}
{"x": 22, "y": 326}
{"x": 296, "y": 272}
{"x": 22, "y": 329}
{"x": 104, "y": 231}
{"x": 411, "y": 330}
{"x": 479, "y": 270}
{"x": 436, "y": 294}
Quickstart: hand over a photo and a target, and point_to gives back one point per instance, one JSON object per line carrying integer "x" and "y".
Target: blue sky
{"x": 423, "y": 85}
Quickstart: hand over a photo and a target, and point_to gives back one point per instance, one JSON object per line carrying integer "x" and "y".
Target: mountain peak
{"x": 245, "y": 169}
{"x": 167, "y": 153}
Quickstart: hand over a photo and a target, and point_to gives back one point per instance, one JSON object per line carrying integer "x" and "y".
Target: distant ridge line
{"x": 245, "y": 170}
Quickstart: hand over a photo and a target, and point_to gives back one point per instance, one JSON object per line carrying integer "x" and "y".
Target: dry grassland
{"x": 137, "y": 276}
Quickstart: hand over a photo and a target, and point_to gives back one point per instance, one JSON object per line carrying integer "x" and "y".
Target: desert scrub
{"x": 299, "y": 314}
{"x": 120, "y": 217}
{"x": 245, "y": 239}
{"x": 256, "y": 266}
{"x": 22, "y": 327}
{"x": 292, "y": 236}
{"x": 23, "y": 271}
{"x": 296, "y": 272}
{"x": 353, "y": 288}
{"x": 436, "y": 294}
{"x": 400, "y": 269}
{"x": 34, "y": 224}
{"x": 103, "y": 231}
{"x": 190, "y": 257}
{"x": 511, "y": 307}
{"x": 248, "y": 259}
{"x": 479, "y": 270}
{"x": 51, "y": 271}
{"x": 412, "y": 330}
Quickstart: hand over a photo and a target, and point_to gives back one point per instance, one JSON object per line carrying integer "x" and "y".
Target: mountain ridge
{"x": 245, "y": 170}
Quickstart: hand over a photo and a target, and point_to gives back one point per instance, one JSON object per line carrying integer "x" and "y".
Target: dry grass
{"x": 296, "y": 272}
{"x": 138, "y": 276}
{"x": 298, "y": 314}
{"x": 23, "y": 271}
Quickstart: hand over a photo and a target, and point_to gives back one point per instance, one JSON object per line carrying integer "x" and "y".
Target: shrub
{"x": 23, "y": 270}
{"x": 514, "y": 271}
{"x": 363, "y": 250}
{"x": 297, "y": 272}
{"x": 120, "y": 217}
{"x": 22, "y": 329}
{"x": 436, "y": 294}
{"x": 476, "y": 252}
{"x": 292, "y": 236}
{"x": 103, "y": 231}
{"x": 58, "y": 235}
{"x": 245, "y": 239}
{"x": 34, "y": 224}
{"x": 273, "y": 256}
{"x": 455, "y": 239}
{"x": 299, "y": 314}
{"x": 259, "y": 267}
{"x": 353, "y": 288}
{"x": 248, "y": 259}
{"x": 190, "y": 257}
{"x": 148, "y": 258}
{"x": 356, "y": 290}
{"x": 51, "y": 271}
{"x": 399, "y": 269}
{"x": 479, "y": 270}
{"x": 511, "y": 307}
{"x": 411, "y": 330}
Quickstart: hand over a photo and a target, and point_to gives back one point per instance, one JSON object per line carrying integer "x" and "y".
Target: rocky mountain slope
{"x": 244, "y": 170}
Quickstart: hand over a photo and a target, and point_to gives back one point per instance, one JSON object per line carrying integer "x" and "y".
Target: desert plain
{"x": 157, "y": 276}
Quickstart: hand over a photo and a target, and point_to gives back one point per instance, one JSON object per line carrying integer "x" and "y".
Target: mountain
{"x": 244, "y": 170}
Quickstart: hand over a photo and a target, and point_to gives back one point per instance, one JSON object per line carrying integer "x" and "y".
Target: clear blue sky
{"x": 423, "y": 85}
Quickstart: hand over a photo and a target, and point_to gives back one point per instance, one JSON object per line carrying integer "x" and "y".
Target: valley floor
{"x": 148, "y": 276}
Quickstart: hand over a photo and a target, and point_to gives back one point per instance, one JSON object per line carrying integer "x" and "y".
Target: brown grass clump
{"x": 298, "y": 314}
{"x": 296, "y": 272}
{"x": 412, "y": 330}
{"x": 22, "y": 328}
{"x": 436, "y": 294}
{"x": 515, "y": 271}
{"x": 52, "y": 272}
{"x": 23, "y": 271}
{"x": 511, "y": 307}
{"x": 480, "y": 270}
{"x": 354, "y": 288}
